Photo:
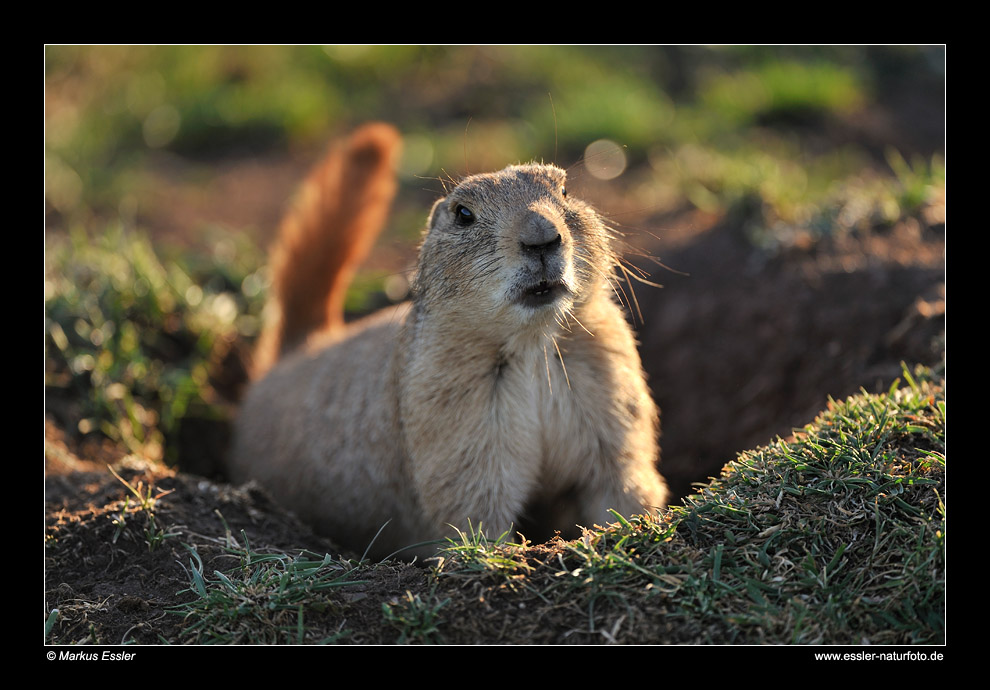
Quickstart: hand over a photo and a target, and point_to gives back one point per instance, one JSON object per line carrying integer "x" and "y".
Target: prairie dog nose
{"x": 538, "y": 234}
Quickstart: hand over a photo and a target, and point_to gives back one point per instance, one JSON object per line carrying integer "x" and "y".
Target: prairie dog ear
{"x": 434, "y": 215}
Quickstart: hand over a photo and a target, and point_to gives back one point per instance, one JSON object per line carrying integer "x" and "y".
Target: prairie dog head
{"x": 512, "y": 249}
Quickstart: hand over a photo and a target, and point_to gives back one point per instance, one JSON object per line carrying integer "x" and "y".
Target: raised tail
{"x": 339, "y": 213}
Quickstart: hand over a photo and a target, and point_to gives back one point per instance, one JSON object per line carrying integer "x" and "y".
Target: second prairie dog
{"x": 508, "y": 392}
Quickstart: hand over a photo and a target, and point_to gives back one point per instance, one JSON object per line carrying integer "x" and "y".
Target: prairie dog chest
{"x": 545, "y": 399}
{"x": 520, "y": 410}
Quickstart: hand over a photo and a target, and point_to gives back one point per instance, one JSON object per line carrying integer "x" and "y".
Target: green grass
{"x": 153, "y": 532}
{"x": 130, "y": 335}
{"x": 111, "y": 108}
{"x": 834, "y": 537}
{"x": 473, "y": 553}
{"x": 778, "y": 198}
{"x": 785, "y": 89}
{"x": 50, "y": 622}
{"x": 416, "y": 618}
{"x": 265, "y": 599}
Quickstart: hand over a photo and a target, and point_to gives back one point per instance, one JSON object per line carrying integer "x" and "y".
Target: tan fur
{"x": 508, "y": 393}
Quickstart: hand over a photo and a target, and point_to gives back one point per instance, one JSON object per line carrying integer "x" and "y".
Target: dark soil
{"x": 111, "y": 588}
{"x": 741, "y": 346}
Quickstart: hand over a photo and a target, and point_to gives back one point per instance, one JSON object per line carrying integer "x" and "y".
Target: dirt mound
{"x": 741, "y": 345}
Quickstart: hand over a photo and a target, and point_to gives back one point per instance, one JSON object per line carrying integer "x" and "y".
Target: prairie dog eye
{"x": 463, "y": 216}
{"x": 563, "y": 191}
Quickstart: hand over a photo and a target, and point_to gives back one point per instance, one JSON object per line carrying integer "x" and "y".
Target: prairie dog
{"x": 508, "y": 392}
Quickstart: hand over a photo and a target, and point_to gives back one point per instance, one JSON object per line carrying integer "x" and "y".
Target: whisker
{"x": 612, "y": 283}
{"x": 578, "y": 321}
{"x": 554, "y": 111}
{"x": 655, "y": 260}
{"x": 561, "y": 358}
{"x": 632, "y": 292}
{"x": 546, "y": 359}
{"x": 466, "y": 166}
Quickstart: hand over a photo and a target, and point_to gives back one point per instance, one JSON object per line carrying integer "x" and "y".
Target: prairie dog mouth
{"x": 543, "y": 293}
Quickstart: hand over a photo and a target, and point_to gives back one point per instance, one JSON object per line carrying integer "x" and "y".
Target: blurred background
{"x": 791, "y": 201}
